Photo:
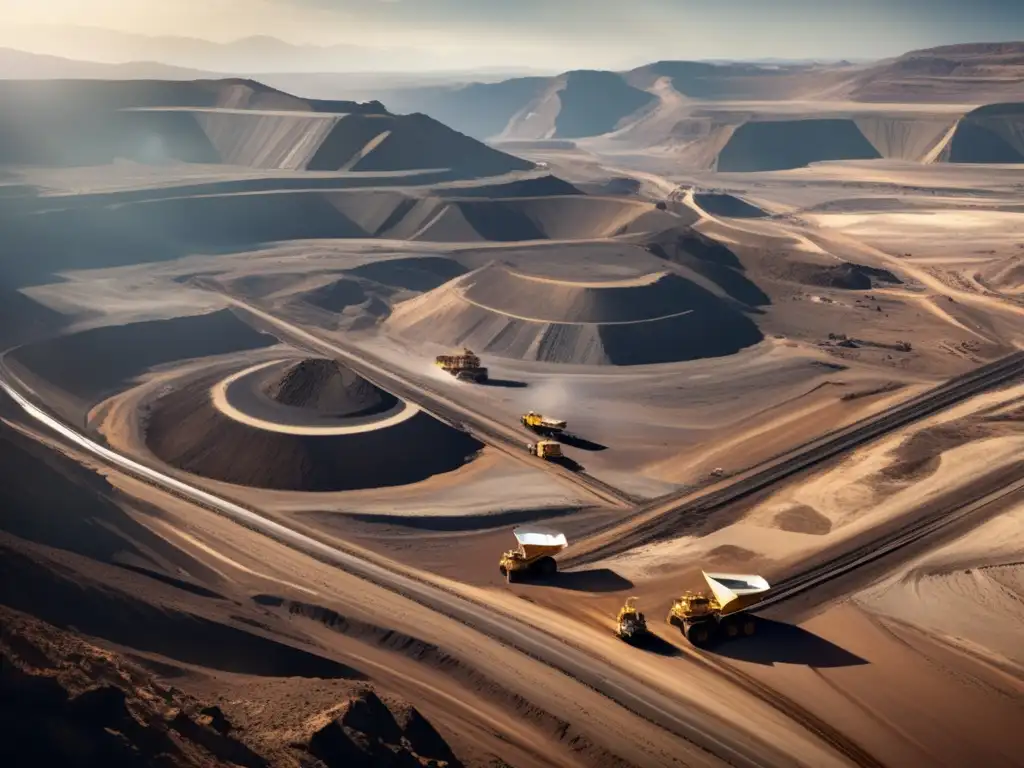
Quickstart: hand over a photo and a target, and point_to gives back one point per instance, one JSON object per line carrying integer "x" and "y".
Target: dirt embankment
{"x": 975, "y": 73}
{"x": 328, "y": 388}
{"x": 96, "y": 363}
{"x": 187, "y": 431}
{"x": 23, "y": 320}
{"x": 144, "y": 641}
{"x": 783, "y": 144}
{"x": 68, "y": 702}
{"x": 990, "y": 134}
{"x": 234, "y": 122}
{"x": 651, "y": 319}
{"x": 159, "y": 229}
{"x": 846, "y": 275}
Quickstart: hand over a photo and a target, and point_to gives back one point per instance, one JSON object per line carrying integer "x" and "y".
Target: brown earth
{"x": 187, "y": 431}
{"x": 327, "y": 387}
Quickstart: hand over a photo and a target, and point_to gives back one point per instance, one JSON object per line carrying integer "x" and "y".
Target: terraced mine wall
{"x": 230, "y": 122}
{"x": 774, "y": 145}
{"x": 991, "y": 134}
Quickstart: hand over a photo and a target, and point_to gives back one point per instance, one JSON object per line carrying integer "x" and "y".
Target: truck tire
{"x": 546, "y": 567}
{"x": 700, "y": 634}
{"x": 729, "y": 628}
{"x": 748, "y": 626}
{"x": 503, "y": 570}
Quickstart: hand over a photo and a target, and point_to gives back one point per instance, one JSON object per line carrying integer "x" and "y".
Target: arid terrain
{"x": 247, "y": 520}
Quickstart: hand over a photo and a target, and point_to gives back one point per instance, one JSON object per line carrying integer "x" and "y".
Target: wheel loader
{"x": 632, "y": 624}
{"x": 542, "y": 425}
{"x": 545, "y": 449}
{"x": 708, "y": 618}
{"x": 464, "y": 367}
{"x": 535, "y": 556}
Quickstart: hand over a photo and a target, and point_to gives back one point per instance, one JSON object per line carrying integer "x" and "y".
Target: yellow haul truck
{"x": 542, "y": 425}
{"x": 705, "y": 619}
{"x": 535, "y": 556}
{"x": 464, "y": 367}
{"x": 545, "y": 449}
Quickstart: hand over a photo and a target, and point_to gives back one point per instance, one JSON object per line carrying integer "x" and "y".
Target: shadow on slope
{"x": 656, "y": 318}
{"x": 785, "y": 144}
{"x": 481, "y": 110}
{"x": 44, "y": 243}
{"x": 594, "y": 102}
{"x": 98, "y": 362}
{"x": 711, "y": 259}
{"x": 74, "y": 558}
{"x": 590, "y": 580}
{"x": 414, "y": 274}
{"x": 728, "y": 205}
{"x": 778, "y": 643}
{"x": 67, "y": 597}
{"x": 990, "y": 134}
{"x": 187, "y": 431}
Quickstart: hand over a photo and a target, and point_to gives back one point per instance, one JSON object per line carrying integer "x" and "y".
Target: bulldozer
{"x": 535, "y": 556}
{"x": 545, "y": 449}
{"x": 464, "y": 367}
{"x": 542, "y": 425}
{"x": 632, "y": 625}
{"x": 708, "y": 618}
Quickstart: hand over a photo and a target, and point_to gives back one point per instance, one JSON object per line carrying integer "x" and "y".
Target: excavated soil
{"x": 187, "y": 431}
{"x": 328, "y": 388}
{"x": 234, "y": 122}
{"x": 171, "y": 227}
{"x": 653, "y": 318}
{"x": 846, "y": 275}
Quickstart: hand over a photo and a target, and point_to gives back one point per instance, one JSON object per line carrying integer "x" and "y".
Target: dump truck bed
{"x": 535, "y": 542}
{"x": 736, "y": 591}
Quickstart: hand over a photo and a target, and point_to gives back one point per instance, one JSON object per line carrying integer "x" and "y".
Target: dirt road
{"x": 699, "y": 728}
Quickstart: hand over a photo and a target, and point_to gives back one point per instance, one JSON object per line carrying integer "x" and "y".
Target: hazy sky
{"x": 558, "y": 33}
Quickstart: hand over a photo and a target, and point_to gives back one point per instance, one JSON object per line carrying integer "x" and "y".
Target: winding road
{"x": 718, "y": 739}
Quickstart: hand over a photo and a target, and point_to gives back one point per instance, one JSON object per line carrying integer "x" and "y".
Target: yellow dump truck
{"x": 542, "y": 425}
{"x": 464, "y": 367}
{"x": 545, "y": 449}
{"x": 535, "y": 557}
{"x": 706, "y": 618}
{"x": 632, "y": 624}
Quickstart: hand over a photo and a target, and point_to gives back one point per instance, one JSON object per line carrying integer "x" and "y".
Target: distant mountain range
{"x": 246, "y": 56}
{"x": 650, "y": 105}
{"x": 665, "y": 95}
{"x": 16, "y": 64}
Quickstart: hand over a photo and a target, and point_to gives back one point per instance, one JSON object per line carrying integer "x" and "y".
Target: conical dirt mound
{"x": 328, "y": 388}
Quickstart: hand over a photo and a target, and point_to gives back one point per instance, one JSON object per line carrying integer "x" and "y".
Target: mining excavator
{"x": 706, "y": 618}
{"x": 542, "y": 425}
{"x": 464, "y": 367}
{"x": 545, "y": 449}
{"x": 535, "y": 556}
{"x": 632, "y": 625}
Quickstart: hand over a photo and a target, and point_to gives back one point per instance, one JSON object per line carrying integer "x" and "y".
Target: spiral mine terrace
{"x": 245, "y": 397}
{"x": 309, "y": 425}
